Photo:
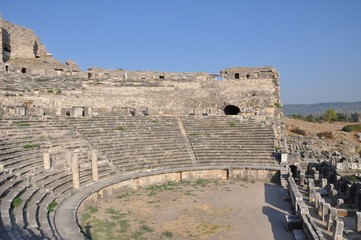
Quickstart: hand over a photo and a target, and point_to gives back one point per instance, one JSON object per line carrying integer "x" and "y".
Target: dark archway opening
{"x": 231, "y": 110}
{"x": 23, "y": 70}
{"x": 294, "y": 170}
{"x": 236, "y": 76}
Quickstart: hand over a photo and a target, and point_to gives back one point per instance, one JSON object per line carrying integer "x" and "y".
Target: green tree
{"x": 341, "y": 117}
{"x": 330, "y": 115}
{"x": 354, "y": 117}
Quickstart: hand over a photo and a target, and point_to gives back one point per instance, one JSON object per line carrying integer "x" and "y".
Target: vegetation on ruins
{"x": 352, "y": 128}
{"x": 31, "y": 145}
{"x": 232, "y": 124}
{"x": 16, "y": 202}
{"x": 22, "y": 124}
{"x": 353, "y": 178}
{"x": 167, "y": 234}
{"x": 193, "y": 134}
{"x": 278, "y": 105}
{"x": 112, "y": 223}
{"x": 327, "y": 135}
{"x": 120, "y": 128}
{"x": 52, "y": 206}
{"x": 155, "y": 121}
{"x": 330, "y": 115}
{"x": 298, "y": 131}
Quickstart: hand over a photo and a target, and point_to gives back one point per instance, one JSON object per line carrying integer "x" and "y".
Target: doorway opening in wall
{"x": 293, "y": 170}
{"x": 23, "y": 70}
{"x": 231, "y": 110}
{"x": 7, "y": 68}
{"x": 236, "y": 76}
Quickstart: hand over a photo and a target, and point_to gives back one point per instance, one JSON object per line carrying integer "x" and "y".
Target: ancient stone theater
{"x": 70, "y": 137}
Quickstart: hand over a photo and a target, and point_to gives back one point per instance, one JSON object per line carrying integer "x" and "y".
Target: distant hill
{"x": 319, "y": 108}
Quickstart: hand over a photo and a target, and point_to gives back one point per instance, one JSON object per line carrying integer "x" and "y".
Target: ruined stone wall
{"x": 144, "y": 76}
{"x": 22, "y": 52}
{"x": 1, "y": 46}
{"x": 195, "y": 94}
{"x": 20, "y": 42}
{"x": 238, "y": 73}
{"x": 253, "y": 92}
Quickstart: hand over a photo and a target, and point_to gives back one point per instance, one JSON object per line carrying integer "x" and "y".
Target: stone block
{"x": 293, "y": 222}
{"x": 320, "y": 207}
{"x": 323, "y": 182}
{"x": 325, "y": 210}
{"x": 337, "y": 229}
{"x": 342, "y": 213}
{"x": 316, "y": 176}
{"x": 332, "y": 214}
{"x": 317, "y": 199}
{"x": 311, "y": 194}
{"x": 330, "y": 190}
{"x": 46, "y": 157}
{"x": 302, "y": 179}
{"x": 340, "y": 202}
{"x": 311, "y": 182}
{"x": 358, "y": 222}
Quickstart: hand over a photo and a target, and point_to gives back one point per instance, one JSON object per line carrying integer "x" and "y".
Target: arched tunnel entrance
{"x": 231, "y": 110}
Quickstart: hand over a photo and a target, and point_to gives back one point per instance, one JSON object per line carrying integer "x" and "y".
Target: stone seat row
{"x": 36, "y": 195}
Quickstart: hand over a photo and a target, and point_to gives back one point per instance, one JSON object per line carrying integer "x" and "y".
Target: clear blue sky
{"x": 315, "y": 45}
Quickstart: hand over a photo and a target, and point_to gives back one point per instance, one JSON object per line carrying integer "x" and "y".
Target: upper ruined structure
{"x": 34, "y": 83}
{"x": 23, "y": 52}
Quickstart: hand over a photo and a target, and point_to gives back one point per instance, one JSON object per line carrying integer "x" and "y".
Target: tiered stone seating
{"x": 226, "y": 140}
{"x": 124, "y": 145}
{"x": 12, "y": 82}
{"x": 136, "y": 144}
{"x": 23, "y": 175}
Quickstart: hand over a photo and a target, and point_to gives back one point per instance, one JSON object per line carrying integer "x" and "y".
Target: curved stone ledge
{"x": 65, "y": 217}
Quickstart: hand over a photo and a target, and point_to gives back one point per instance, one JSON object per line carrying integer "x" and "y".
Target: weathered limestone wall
{"x": 1, "y": 46}
{"x": 23, "y": 52}
{"x": 238, "y": 73}
{"x": 20, "y": 42}
{"x": 253, "y": 92}
{"x": 144, "y": 76}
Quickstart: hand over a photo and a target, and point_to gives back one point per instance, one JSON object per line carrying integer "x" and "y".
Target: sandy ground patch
{"x": 202, "y": 209}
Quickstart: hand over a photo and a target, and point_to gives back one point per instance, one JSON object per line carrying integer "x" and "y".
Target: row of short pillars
{"x": 72, "y": 160}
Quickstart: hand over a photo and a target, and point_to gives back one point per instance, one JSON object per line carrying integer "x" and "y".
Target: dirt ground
{"x": 341, "y": 141}
{"x": 201, "y": 209}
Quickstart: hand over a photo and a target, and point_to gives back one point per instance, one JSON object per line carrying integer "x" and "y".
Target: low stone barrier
{"x": 310, "y": 229}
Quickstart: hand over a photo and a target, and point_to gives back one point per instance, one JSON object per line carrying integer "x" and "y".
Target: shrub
{"x": 193, "y": 134}
{"x": 30, "y": 145}
{"x": 146, "y": 228}
{"x": 120, "y": 128}
{"x": 16, "y": 202}
{"x": 22, "y": 124}
{"x": 278, "y": 105}
{"x": 327, "y": 135}
{"x": 232, "y": 124}
{"x": 352, "y": 128}
{"x": 298, "y": 131}
{"x": 167, "y": 234}
{"x": 353, "y": 178}
{"x": 52, "y": 206}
